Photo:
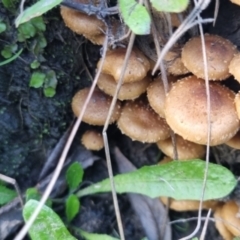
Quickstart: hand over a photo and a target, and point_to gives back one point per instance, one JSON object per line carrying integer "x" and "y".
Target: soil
{"x": 32, "y": 124}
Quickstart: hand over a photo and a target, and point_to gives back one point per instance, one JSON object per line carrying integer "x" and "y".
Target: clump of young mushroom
{"x": 150, "y": 117}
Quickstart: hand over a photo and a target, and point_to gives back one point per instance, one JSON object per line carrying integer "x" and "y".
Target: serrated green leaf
{"x": 6, "y": 195}
{"x": 47, "y": 225}
{"x": 135, "y": 16}
{"x": 178, "y": 179}
{"x": 74, "y": 175}
{"x": 72, "y": 207}
{"x": 170, "y": 5}
{"x": 94, "y": 236}
{"x": 35, "y": 10}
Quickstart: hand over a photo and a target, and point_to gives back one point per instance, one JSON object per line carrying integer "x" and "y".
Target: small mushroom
{"x": 230, "y": 215}
{"x": 237, "y": 103}
{"x": 97, "y": 108}
{"x": 234, "y": 67}
{"x": 187, "y": 205}
{"x": 186, "y": 111}
{"x": 221, "y": 227}
{"x": 92, "y": 140}
{"x": 137, "y": 67}
{"x": 88, "y": 25}
{"x": 174, "y": 63}
{"x": 141, "y": 123}
{"x": 235, "y": 2}
{"x": 185, "y": 149}
{"x": 234, "y": 142}
{"x": 156, "y": 95}
{"x": 128, "y": 91}
{"x": 219, "y": 52}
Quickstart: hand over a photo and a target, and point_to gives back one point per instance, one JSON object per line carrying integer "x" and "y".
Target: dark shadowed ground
{"x": 31, "y": 124}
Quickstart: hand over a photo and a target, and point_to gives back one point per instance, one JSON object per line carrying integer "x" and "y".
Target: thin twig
{"x": 187, "y": 24}
{"x": 203, "y": 234}
{"x": 107, "y": 152}
{"x": 208, "y": 129}
{"x": 60, "y": 164}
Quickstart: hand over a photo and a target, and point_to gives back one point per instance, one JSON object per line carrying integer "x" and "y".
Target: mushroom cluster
{"x": 145, "y": 113}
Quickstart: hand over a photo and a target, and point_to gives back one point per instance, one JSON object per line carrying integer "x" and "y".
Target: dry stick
{"x": 203, "y": 234}
{"x": 107, "y": 152}
{"x": 217, "y": 4}
{"x": 187, "y": 24}
{"x": 208, "y": 129}
{"x": 50, "y": 186}
{"x": 14, "y": 183}
{"x": 184, "y": 220}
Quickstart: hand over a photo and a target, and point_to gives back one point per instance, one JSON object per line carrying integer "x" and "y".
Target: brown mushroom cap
{"x": 234, "y": 67}
{"x": 186, "y": 111}
{"x": 235, "y": 2}
{"x": 88, "y": 25}
{"x": 237, "y": 103}
{"x": 229, "y": 213}
{"x": 128, "y": 91}
{"x": 92, "y": 140}
{"x": 225, "y": 233}
{"x": 185, "y": 149}
{"x": 137, "y": 67}
{"x": 156, "y": 95}
{"x": 219, "y": 53}
{"x": 141, "y": 123}
{"x": 174, "y": 63}
{"x": 97, "y": 108}
{"x": 234, "y": 142}
{"x": 187, "y": 205}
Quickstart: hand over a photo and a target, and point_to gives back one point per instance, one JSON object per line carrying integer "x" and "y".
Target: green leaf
{"x": 49, "y": 92}
{"x": 72, "y": 207}
{"x": 35, "y": 10}
{"x": 74, "y": 175}
{"x": 170, "y": 5}
{"x": 178, "y": 179}
{"x": 135, "y": 16}
{"x": 12, "y": 58}
{"x": 3, "y": 27}
{"x": 6, "y": 195}
{"x": 38, "y": 23}
{"x": 47, "y": 225}
{"x": 94, "y": 236}
{"x": 10, "y": 4}
{"x": 35, "y": 64}
{"x": 37, "y": 79}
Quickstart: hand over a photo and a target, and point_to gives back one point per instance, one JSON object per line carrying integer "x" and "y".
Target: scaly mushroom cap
{"x": 187, "y": 205}
{"x": 234, "y": 67}
{"x": 225, "y": 233}
{"x": 88, "y": 25}
{"x": 141, "y": 123}
{"x": 97, "y": 108}
{"x": 185, "y": 149}
{"x": 230, "y": 213}
{"x": 219, "y": 53}
{"x": 186, "y": 111}
{"x": 128, "y": 91}
{"x": 137, "y": 67}
{"x": 92, "y": 140}
{"x": 156, "y": 95}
